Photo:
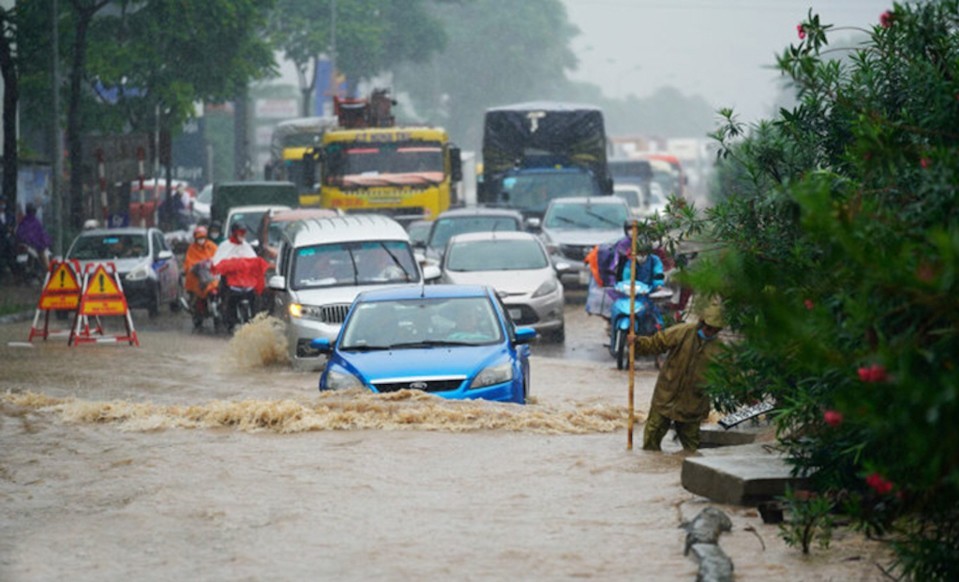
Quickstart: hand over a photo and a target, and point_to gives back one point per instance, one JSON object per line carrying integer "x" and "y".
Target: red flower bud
{"x": 809, "y": 304}
{"x": 874, "y": 373}
{"x": 886, "y": 18}
{"x": 925, "y": 163}
{"x": 879, "y": 484}
{"x": 877, "y": 373}
{"x": 801, "y": 31}
{"x": 832, "y": 417}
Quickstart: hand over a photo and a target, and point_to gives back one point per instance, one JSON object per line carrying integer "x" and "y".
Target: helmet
{"x": 199, "y": 232}
{"x": 628, "y": 226}
{"x": 236, "y": 226}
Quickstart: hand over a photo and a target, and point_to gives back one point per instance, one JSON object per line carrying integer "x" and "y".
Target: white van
{"x": 324, "y": 263}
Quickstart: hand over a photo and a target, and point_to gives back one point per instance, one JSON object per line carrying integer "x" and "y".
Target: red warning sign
{"x": 102, "y": 295}
{"x": 62, "y": 292}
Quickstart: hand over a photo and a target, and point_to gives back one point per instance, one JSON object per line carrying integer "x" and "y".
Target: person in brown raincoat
{"x": 678, "y": 398}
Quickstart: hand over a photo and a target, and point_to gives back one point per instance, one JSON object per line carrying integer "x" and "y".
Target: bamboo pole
{"x": 631, "y": 336}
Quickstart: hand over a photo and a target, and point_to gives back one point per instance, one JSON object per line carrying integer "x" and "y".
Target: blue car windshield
{"x": 354, "y": 263}
{"x": 421, "y": 323}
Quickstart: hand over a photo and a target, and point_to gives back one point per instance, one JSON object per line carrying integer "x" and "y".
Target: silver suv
{"x": 324, "y": 263}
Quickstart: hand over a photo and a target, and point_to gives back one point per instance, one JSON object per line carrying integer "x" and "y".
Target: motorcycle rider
{"x": 30, "y": 232}
{"x": 200, "y": 250}
{"x": 239, "y": 266}
{"x": 649, "y": 266}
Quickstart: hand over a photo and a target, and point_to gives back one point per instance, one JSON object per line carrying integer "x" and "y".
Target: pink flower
{"x": 832, "y": 417}
{"x": 872, "y": 374}
{"x": 809, "y": 304}
{"x": 879, "y": 484}
{"x": 886, "y": 18}
{"x": 801, "y": 31}
{"x": 925, "y": 163}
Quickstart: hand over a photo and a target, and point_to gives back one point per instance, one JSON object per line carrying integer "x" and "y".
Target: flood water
{"x": 198, "y": 457}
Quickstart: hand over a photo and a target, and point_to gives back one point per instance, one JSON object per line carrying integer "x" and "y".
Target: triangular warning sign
{"x": 101, "y": 284}
{"x": 62, "y": 280}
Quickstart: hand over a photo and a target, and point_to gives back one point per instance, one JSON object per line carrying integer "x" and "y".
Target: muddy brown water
{"x": 199, "y": 457}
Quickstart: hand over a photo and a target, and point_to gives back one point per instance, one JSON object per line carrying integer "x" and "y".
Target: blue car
{"x": 454, "y": 341}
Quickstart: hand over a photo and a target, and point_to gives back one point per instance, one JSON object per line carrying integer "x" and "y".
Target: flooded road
{"x": 198, "y": 457}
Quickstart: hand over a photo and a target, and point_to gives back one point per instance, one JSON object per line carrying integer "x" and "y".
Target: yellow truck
{"x": 367, "y": 164}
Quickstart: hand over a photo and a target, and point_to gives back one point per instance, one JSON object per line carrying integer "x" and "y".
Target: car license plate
{"x": 22, "y": 258}
{"x": 516, "y": 314}
{"x": 584, "y": 277}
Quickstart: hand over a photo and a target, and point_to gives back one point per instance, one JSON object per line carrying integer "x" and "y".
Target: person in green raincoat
{"x": 678, "y": 398}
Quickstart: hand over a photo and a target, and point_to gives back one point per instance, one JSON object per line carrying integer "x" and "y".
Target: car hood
{"x": 512, "y": 282}
{"x": 331, "y": 295}
{"x": 437, "y": 361}
{"x": 570, "y": 236}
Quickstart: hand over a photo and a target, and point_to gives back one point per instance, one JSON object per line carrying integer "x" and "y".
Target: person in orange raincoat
{"x": 202, "y": 249}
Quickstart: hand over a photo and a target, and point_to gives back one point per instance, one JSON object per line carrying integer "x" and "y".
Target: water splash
{"x": 259, "y": 343}
{"x": 348, "y": 410}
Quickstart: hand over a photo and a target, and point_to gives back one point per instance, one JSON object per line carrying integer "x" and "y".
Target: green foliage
{"x": 808, "y": 521}
{"x": 838, "y": 229}
{"x": 371, "y": 36}
{"x": 155, "y": 53}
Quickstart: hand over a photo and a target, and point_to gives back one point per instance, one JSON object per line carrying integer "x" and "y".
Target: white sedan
{"x": 517, "y": 265}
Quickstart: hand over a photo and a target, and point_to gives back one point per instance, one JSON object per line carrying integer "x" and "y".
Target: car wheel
{"x": 621, "y": 356}
{"x": 153, "y": 308}
{"x": 559, "y": 335}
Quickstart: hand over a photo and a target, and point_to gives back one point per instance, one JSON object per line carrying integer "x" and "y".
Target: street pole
{"x": 631, "y": 336}
{"x": 56, "y": 146}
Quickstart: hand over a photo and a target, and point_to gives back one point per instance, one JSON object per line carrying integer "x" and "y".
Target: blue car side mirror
{"x": 524, "y": 335}
{"x": 321, "y": 344}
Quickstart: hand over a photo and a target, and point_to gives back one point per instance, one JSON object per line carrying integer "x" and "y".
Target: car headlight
{"x": 138, "y": 274}
{"x": 495, "y": 374}
{"x": 339, "y": 379}
{"x": 298, "y": 310}
{"x": 548, "y": 286}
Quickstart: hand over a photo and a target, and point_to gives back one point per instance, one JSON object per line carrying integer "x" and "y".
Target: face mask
{"x": 200, "y": 241}
{"x": 704, "y": 337}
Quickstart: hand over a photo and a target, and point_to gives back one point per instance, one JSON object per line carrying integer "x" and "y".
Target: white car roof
{"x": 348, "y": 228}
{"x": 493, "y": 235}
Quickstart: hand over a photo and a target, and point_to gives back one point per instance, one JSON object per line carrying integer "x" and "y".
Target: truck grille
{"x": 334, "y": 313}
{"x": 426, "y": 384}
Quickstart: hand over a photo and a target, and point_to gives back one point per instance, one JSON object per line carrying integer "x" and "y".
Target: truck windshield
{"x": 532, "y": 192}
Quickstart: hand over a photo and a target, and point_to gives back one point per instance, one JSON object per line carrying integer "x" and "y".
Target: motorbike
{"x": 240, "y": 304}
{"x": 29, "y": 264}
{"x": 648, "y": 317}
{"x": 209, "y": 306}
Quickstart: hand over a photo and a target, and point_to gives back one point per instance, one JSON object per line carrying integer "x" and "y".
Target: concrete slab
{"x": 738, "y": 479}
{"x": 712, "y": 435}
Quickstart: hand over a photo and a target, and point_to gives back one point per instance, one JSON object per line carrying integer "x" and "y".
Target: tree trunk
{"x": 11, "y": 94}
{"x": 241, "y": 150}
{"x": 74, "y": 139}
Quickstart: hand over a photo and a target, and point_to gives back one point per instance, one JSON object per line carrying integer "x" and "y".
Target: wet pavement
{"x": 205, "y": 457}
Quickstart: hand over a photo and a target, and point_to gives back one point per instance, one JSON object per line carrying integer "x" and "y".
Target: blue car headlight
{"x": 495, "y": 374}
{"x": 339, "y": 379}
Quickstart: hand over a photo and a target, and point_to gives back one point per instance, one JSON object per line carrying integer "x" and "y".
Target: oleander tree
{"x": 837, "y": 229}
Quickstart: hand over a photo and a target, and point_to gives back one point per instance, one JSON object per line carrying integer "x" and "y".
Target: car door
{"x": 166, "y": 268}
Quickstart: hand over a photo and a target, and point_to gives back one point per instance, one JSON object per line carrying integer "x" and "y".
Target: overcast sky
{"x": 719, "y": 49}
